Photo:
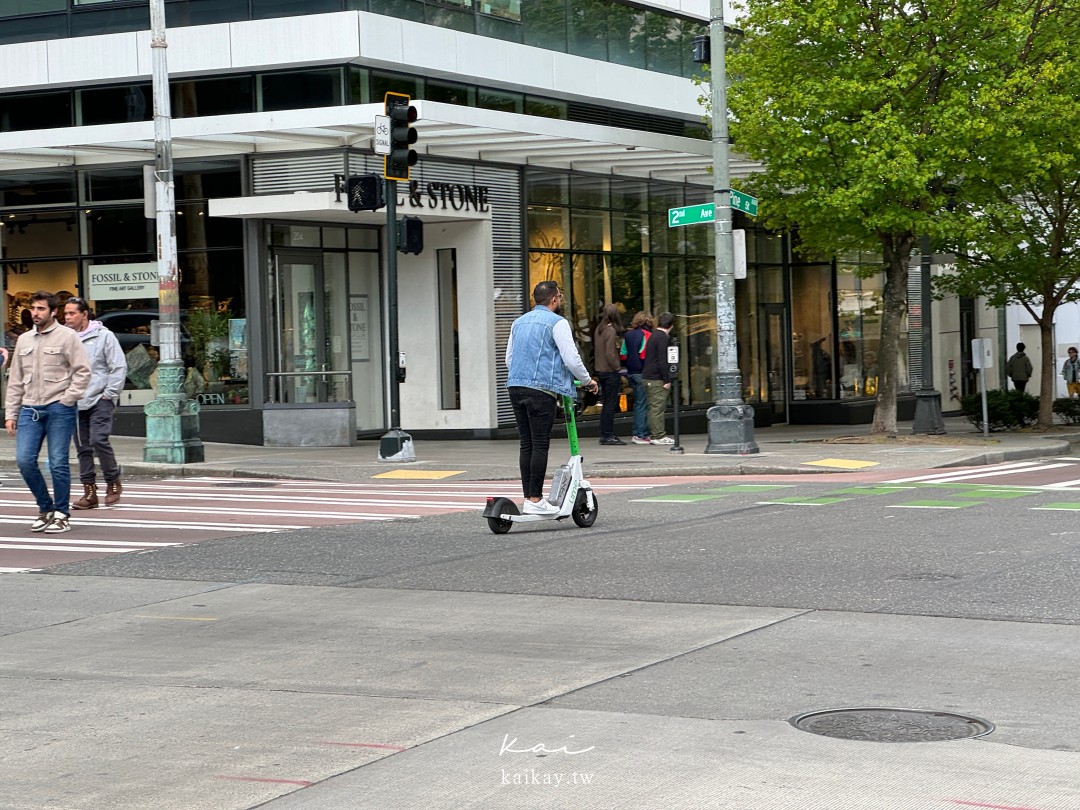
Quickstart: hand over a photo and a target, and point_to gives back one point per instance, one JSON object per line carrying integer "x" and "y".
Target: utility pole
{"x": 928, "y": 417}
{"x": 172, "y": 420}
{"x": 730, "y": 420}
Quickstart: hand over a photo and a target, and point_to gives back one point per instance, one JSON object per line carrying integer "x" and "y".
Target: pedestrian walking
{"x": 606, "y": 341}
{"x": 543, "y": 363}
{"x": 108, "y": 369}
{"x": 49, "y": 374}
{"x": 1070, "y": 370}
{"x": 657, "y": 376}
{"x": 1019, "y": 369}
{"x": 632, "y": 353}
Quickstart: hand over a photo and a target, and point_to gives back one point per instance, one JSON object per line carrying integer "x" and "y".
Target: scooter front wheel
{"x": 584, "y": 516}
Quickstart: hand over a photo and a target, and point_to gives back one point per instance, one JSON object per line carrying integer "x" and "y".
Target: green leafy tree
{"x": 866, "y": 114}
{"x": 1022, "y": 246}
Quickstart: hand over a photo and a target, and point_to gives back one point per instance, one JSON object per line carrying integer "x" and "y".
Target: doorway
{"x": 775, "y": 342}
{"x": 309, "y": 299}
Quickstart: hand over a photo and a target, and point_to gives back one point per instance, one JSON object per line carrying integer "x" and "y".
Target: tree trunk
{"x": 896, "y": 251}
{"x": 1048, "y": 376}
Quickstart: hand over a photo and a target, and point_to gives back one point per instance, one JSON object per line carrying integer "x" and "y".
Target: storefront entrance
{"x": 776, "y": 342}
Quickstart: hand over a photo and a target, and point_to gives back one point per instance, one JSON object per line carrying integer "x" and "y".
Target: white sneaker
{"x": 663, "y": 440}
{"x": 640, "y": 440}
{"x": 541, "y": 507}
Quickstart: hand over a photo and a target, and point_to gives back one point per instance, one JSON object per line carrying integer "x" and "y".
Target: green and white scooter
{"x": 570, "y": 491}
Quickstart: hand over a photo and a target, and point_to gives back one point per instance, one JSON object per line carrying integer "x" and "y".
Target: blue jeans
{"x": 55, "y": 422}
{"x": 641, "y": 406}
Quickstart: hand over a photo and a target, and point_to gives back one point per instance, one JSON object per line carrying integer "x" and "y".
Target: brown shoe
{"x": 89, "y": 500}
{"x": 112, "y": 492}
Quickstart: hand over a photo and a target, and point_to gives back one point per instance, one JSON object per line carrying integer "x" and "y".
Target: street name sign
{"x": 693, "y": 214}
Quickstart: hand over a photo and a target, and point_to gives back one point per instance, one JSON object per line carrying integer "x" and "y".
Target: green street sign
{"x": 691, "y": 215}
{"x": 744, "y": 202}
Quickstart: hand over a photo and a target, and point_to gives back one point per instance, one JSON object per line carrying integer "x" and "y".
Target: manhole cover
{"x": 891, "y": 725}
{"x": 248, "y": 484}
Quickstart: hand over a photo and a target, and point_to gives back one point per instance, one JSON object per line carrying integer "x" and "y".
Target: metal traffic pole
{"x": 172, "y": 420}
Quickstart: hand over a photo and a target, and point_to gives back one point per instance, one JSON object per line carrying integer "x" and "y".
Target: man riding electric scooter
{"x": 543, "y": 363}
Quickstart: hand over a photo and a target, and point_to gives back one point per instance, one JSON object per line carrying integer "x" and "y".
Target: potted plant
{"x": 209, "y": 331}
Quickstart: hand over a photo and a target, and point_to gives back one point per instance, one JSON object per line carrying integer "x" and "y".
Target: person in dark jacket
{"x": 1019, "y": 368}
{"x": 606, "y": 341}
{"x": 632, "y": 354}
{"x": 657, "y": 376}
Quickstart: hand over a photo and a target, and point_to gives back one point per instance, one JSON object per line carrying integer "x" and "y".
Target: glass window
{"x": 627, "y": 230}
{"x": 266, "y": 9}
{"x": 499, "y": 28}
{"x": 11, "y": 8}
{"x": 507, "y": 9}
{"x": 545, "y": 24}
{"x": 39, "y": 111}
{"x": 449, "y": 361}
{"x": 363, "y": 239}
{"x": 383, "y": 83}
{"x": 402, "y": 9}
{"x": 546, "y": 266}
{"x": 359, "y": 81}
{"x": 207, "y": 179}
{"x": 590, "y": 230}
{"x": 31, "y": 29}
{"x": 333, "y": 237}
{"x": 114, "y": 105}
{"x": 108, "y": 185}
{"x": 663, "y": 239}
{"x": 664, "y": 40}
{"x": 294, "y": 235}
{"x": 110, "y": 21}
{"x": 300, "y": 89}
{"x": 546, "y": 108}
{"x": 549, "y": 228}
{"x": 626, "y": 35}
{"x": 118, "y": 231}
{"x": 450, "y": 93}
{"x": 205, "y": 12}
{"x": 593, "y": 192}
{"x": 553, "y": 189}
{"x": 662, "y": 197}
{"x": 40, "y": 234}
{"x": 629, "y": 195}
{"x": 195, "y": 229}
{"x": 454, "y": 19}
{"x": 37, "y": 188}
{"x": 235, "y": 94}
{"x": 587, "y": 28}
{"x": 497, "y": 100}
{"x": 812, "y": 339}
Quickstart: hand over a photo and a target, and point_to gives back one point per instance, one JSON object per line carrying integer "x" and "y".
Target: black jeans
{"x": 534, "y": 412}
{"x": 610, "y": 384}
{"x": 1020, "y": 385}
{"x": 92, "y": 436}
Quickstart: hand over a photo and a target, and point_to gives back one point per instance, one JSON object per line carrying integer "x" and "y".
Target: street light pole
{"x": 172, "y": 420}
{"x": 730, "y": 420}
{"x": 928, "y": 417}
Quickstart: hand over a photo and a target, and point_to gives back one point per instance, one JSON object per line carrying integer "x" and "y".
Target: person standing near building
{"x": 657, "y": 376}
{"x": 108, "y": 368}
{"x": 49, "y": 373}
{"x": 543, "y": 363}
{"x": 632, "y": 354}
{"x": 1070, "y": 370}
{"x": 1019, "y": 368}
{"x": 606, "y": 340}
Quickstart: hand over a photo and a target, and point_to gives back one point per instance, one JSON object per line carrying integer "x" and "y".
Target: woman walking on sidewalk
{"x": 606, "y": 340}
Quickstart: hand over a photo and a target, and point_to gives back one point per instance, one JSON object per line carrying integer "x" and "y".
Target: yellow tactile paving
{"x": 419, "y": 475}
{"x": 842, "y": 463}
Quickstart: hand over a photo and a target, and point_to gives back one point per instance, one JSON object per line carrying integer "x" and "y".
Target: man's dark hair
{"x": 665, "y": 320}
{"x": 1020, "y": 347}
{"x": 544, "y": 292}
{"x": 47, "y": 297}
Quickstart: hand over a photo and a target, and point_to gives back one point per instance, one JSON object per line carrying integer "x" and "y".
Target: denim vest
{"x": 535, "y": 361}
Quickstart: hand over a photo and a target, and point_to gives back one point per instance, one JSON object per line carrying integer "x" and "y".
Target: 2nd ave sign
{"x": 693, "y": 214}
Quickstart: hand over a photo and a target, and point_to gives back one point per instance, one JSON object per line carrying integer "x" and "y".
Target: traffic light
{"x": 364, "y": 192}
{"x": 410, "y": 235}
{"x": 402, "y": 136}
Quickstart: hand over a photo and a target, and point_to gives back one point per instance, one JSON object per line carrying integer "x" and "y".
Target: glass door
{"x": 775, "y": 343}
{"x": 308, "y": 301}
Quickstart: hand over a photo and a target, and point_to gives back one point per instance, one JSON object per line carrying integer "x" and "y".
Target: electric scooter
{"x": 570, "y": 491}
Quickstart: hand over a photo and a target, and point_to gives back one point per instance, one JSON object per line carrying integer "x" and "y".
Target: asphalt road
{"x": 719, "y": 607}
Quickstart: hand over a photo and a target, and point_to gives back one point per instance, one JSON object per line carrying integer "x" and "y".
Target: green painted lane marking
{"x": 795, "y": 501}
{"x": 996, "y": 493}
{"x": 867, "y": 491}
{"x": 935, "y": 504}
{"x": 1066, "y": 507}
{"x": 750, "y": 488}
{"x": 677, "y": 498}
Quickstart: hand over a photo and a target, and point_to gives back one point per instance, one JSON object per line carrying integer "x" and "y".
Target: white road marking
{"x": 942, "y": 478}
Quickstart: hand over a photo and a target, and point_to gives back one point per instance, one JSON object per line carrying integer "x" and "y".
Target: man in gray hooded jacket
{"x": 108, "y": 368}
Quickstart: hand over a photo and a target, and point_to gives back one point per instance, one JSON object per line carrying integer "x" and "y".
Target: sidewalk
{"x": 783, "y": 449}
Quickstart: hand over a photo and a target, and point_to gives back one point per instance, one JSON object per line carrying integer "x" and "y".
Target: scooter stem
{"x": 571, "y": 424}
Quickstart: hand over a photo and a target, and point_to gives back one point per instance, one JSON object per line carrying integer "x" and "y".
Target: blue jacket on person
{"x": 535, "y": 360}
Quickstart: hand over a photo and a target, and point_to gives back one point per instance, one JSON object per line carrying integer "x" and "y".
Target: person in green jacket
{"x": 1018, "y": 369}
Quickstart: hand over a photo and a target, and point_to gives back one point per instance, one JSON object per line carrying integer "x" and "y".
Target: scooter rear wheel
{"x": 497, "y": 507}
{"x": 582, "y": 515}
{"x": 499, "y": 526}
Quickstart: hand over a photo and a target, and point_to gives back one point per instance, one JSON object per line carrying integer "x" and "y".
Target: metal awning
{"x": 445, "y": 130}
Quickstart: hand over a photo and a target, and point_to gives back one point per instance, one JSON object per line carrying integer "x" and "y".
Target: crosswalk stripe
{"x": 178, "y": 524}
{"x": 1023, "y": 467}
{"x": 16, "y": 570}
{"x": 81, "y": 549}
{"x": 69, "y": 540}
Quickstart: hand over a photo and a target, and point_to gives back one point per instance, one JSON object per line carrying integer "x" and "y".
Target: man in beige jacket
{"x": 49, "y": 373}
